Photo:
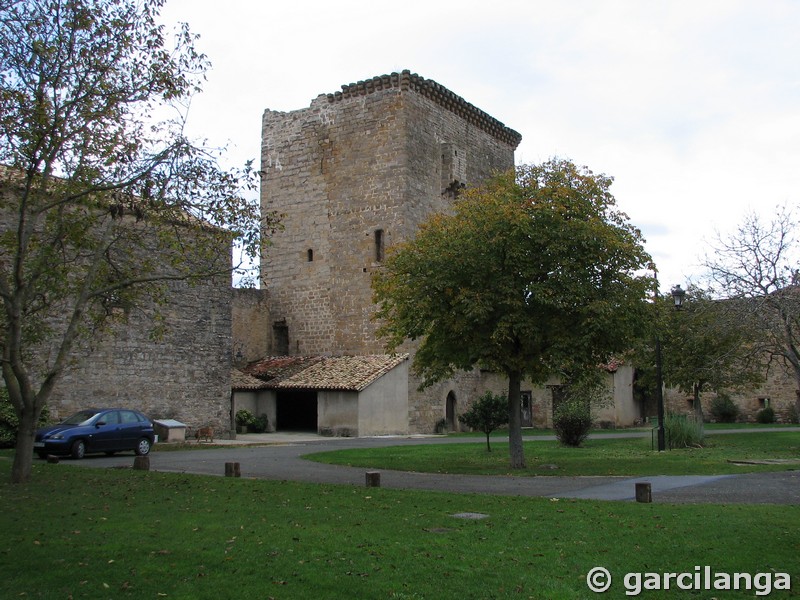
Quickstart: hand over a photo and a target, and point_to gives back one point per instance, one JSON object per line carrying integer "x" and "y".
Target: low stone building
{"x": 337, "y": 396}
{"x": 777, "y": 392}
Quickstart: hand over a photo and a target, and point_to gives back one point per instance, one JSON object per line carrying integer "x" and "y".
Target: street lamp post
{"x": 677, "y": 296}
{"x": 660, "y": 397}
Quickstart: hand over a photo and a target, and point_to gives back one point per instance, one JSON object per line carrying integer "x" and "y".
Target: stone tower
{"x": 352, "y": 174}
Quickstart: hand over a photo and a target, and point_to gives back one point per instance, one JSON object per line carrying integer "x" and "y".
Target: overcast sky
{"x": 693, "y": 106}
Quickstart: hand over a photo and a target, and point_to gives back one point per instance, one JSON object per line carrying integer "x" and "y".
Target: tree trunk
{"x": 698, "y": 407}
{"x": 516, "y": 451}
{"x": 797, "y": 402}
{"x": 23, "y": 456}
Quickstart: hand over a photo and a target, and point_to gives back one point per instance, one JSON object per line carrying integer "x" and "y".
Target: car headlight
{"x": 57, "y": 436}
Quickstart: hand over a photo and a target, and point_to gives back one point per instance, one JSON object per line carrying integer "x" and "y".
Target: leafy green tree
{"x": 101, "y": 202}
{"x": 486, "y": 414}
{"x": 705, "y": 350}
{"x": 534, "y": 270}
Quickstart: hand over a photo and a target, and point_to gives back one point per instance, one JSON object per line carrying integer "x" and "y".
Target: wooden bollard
{"x": 232, "y": 469}
{"x": 373, "y": 479}
{"x": 141, "y": 463}
{"x": 643, "y": 492}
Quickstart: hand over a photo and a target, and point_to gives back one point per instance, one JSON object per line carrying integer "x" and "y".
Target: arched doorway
{"x": 450, "y": 412}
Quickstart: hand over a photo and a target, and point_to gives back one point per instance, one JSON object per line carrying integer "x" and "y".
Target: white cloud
{"x": 691, "y": 105}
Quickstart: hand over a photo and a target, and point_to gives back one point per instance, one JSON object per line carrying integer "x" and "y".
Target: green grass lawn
{"x": 77, "y": 532}
{"x": 710, "y": 427}
{"x": 632, "y": 457}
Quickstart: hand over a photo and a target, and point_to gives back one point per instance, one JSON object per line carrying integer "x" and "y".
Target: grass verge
{"x": 711, "y": 427}
{"x": 92, "y": 533}
{"x": 631, "y": 456}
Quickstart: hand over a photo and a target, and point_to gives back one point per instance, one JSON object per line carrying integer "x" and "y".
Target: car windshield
{"x": 79, "y": 418}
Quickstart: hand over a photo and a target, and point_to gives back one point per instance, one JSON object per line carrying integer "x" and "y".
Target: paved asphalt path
{"x": 282, "y": 459}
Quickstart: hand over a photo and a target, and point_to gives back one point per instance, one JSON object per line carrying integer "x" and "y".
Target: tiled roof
{"x": 279, "y": 367}
{"x": 242, "y": 381}
{"x": 348, "y": 373}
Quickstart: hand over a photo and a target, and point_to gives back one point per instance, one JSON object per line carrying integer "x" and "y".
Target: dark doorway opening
{"x": 296, "y": 410}
{"x": 450, "y": 412}
{"x": 526, "y": 405}
{"x": 280, "y": 332}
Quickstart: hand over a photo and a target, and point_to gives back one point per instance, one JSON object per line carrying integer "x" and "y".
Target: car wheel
{"x": 143, "y": 447}
{"x": 78, "y": 449}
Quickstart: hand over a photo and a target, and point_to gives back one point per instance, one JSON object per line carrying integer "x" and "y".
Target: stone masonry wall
{"x": 251, "y": 325}
{"x": 778, "y": 391}
{"x": 184, "y": 375}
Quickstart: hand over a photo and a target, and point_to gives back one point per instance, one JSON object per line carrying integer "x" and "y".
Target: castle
{"x": 355, "y": 172}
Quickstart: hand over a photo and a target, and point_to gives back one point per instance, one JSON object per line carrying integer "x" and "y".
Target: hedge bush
{"x": 572, "y": 421}
{"x": 766, "y": 415}
{"x": 723, "y": 410}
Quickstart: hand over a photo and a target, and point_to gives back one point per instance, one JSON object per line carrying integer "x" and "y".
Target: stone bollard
{"x": 232, "y": 469}
{"x": 141, "y": 463}
{"x": 373, "y": 479}
{"x": 643, "y": 493}
{"x": 52, "y": 459}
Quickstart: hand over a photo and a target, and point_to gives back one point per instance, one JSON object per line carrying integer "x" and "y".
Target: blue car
{"x": 93, "y": 430}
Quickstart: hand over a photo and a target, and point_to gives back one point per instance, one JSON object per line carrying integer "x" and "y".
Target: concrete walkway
{"x": 279, "y": 456}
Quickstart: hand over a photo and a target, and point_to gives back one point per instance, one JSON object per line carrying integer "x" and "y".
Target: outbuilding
{"x": 338, "y": 395}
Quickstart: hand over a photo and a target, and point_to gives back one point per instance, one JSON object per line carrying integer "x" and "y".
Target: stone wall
{"x": 251, "y": 326}
{"x": 169, "y": 361}
{"x": 184, "y": 374}
{"x": 778, "y": 391}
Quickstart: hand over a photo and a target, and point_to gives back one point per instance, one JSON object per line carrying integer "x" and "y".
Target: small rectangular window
{"x": 310, "y": 255}
{"x": 379, "y": 245}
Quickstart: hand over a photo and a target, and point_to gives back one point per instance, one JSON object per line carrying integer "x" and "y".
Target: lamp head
{"x": 677, "y": 295}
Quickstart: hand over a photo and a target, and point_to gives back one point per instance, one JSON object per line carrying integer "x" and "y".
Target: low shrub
{"x": 440, "y": 426}
{"x": 244, "y": 418}
{"x": 260, "y": 424}
{"x": 766, "y": 415}
{"x": 572, "y": 420}
{"x": 683, "y": 431}
{"x": 794, "y": 414}
{"x": 9, "y": 422}
{"x": 723, "y": 409}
